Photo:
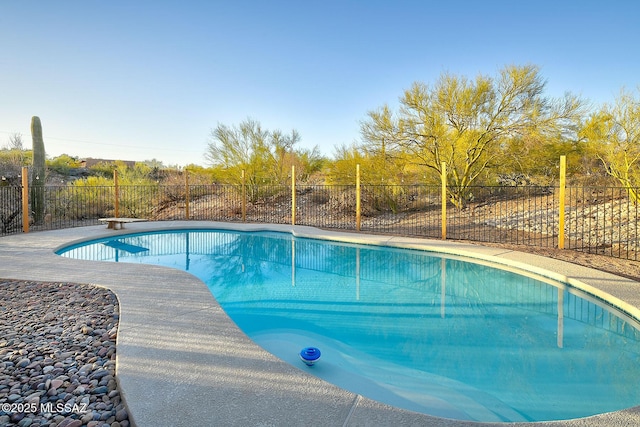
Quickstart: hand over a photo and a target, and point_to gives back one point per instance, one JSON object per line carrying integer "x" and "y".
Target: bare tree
{"x": 15, "y": 141}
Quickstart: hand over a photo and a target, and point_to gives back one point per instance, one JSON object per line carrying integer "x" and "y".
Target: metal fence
{"x": 10, "y": 209}
{"x": 597, "y": 220}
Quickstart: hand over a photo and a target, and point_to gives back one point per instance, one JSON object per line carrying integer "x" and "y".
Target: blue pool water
{"x": 441, "y": 335}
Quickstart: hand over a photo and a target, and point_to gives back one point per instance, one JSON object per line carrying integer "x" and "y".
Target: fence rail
{"x": 600, "y": 220}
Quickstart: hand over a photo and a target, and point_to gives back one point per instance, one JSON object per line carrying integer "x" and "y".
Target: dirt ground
{"x": 620, "y": 267}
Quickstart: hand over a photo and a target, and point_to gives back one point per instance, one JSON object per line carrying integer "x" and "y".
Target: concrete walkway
{"x": 182, "y": 362}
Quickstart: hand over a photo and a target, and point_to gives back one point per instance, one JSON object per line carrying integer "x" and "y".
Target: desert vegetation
{"x": 497, "y": 138}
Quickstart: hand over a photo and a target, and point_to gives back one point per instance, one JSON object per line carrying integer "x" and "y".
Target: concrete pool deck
{"x": 182, "y": 361}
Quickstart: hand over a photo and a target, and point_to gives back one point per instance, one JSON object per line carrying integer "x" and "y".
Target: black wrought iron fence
{"x": 517, "y": 215}
{"x": 74, "y": 206}
{"x": 269, "y": 204}
{"x": 10, "y": 209}
{"x": 413, "y": 210}
{"x": 597, "y": 220}
{"x": 603, "y": 220}
{"x": 326, "y": 206}
{"x": 216, "y": 203}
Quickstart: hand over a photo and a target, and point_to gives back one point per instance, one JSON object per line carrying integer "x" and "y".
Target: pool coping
{"x": 182, "y": 361}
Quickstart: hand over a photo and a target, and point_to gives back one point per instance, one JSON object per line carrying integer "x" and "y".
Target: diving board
{"x": 113, "y": 223}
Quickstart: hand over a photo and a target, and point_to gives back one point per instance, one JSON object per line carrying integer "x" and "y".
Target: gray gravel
{"x": 58, "y": 356}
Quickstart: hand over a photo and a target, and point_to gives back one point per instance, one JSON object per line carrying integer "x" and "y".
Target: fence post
{"x": 293, "y": 195}
{"x": 25, "y": 199}
{"x": 116, "y": 194}
{"x": 443, "y": 178}
{"x": 563, "y": 173}
{"x": 186, "y": 194}
{"x": 358, "y": 194}
{"x": 244, "y": 197}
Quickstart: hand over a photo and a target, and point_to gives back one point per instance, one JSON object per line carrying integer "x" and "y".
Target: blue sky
{"x": 138, "y": 80}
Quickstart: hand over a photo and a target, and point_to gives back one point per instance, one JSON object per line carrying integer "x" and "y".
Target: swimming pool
{"x": 446, "y": 336}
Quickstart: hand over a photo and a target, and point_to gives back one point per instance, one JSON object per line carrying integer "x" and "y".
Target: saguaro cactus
{"x": 37, "y": 171}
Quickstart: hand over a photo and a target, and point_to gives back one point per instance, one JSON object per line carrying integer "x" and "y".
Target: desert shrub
{"x": 63, "y": 164}
{"x": 85, "y": 198}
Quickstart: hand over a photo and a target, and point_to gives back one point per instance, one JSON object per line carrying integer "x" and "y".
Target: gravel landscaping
{"x": 58, "y": 356}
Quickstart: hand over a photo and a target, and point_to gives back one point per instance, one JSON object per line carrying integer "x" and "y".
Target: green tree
{"x": 309, "y": 162}
{"x": 532, "y": 160}
{"x": 265, "y": 156}
{"x": 280, "y": 154}
{"x": 383, "y": 157}
{"x": 11, "y": 162}
{"x": 239, "y": 148}
{"x": 342, "y": 170}
{"x": 63, "y": 164}
{"x": 198, "y": 174}
{"x": 467, "y": 123}
{"x": 103, "y": 169}
{"x": 614, "y": 134}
